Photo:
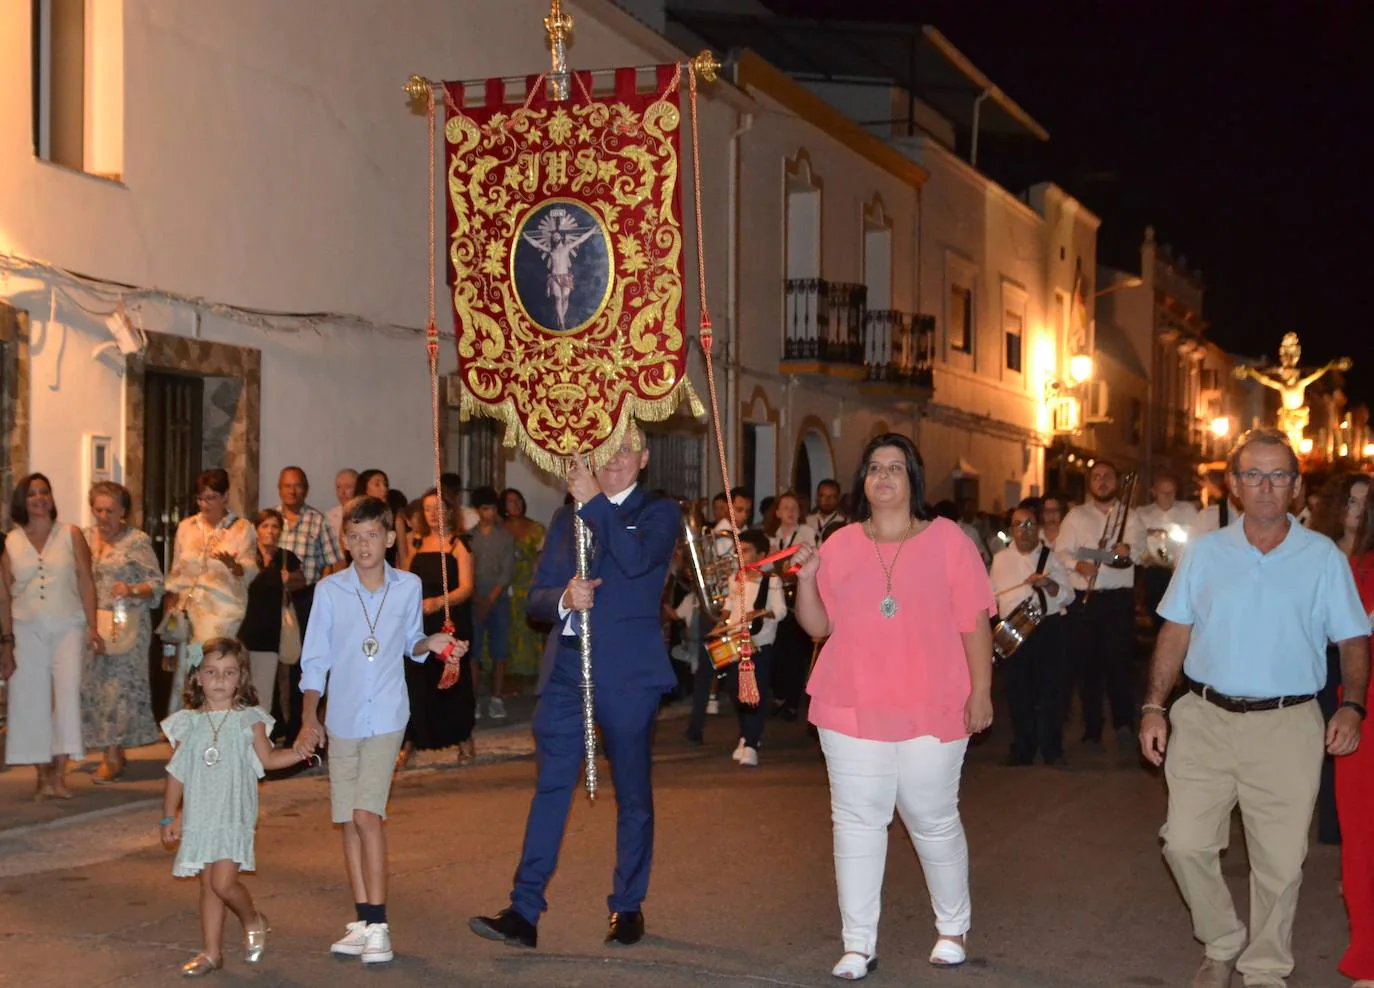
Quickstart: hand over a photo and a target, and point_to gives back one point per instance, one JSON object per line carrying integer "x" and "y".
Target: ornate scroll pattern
{"x": 565, "y": 244}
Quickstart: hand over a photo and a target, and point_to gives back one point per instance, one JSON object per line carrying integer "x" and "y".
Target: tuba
{"x": 711, "y": 573}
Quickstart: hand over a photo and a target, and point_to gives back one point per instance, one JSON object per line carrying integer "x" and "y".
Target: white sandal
{"x": 853, "y": 966}
{"x": 948, "y": 953}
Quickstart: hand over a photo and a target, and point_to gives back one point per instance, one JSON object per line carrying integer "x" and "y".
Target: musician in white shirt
{"x": 1102, "y": 624}
{"x": 1169, "y": 525}
{"x": 828, "y": 517}
{"x": 1035, "y": 673}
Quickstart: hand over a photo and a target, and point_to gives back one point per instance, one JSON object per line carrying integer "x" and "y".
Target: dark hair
{"x": 524, "y": 505}
{"x": 1262, "y": 437}
{"x": 1034, "y": 505}
{"x": 1329, "y": 518}
{"x": 108, "y": 488}
{"x": 397, "y": 502}
{"x": 744, "y": 492}
{"x": 829, "y": 482}
{"x": 915, "y": 475}
{"x": 267, "y": 513}
{"x": 946, "y": 509}
{"x": 453, "y": 521}
{"x": 19, "y": 500}
{"x": 1059, "y": 499}
{"x": 193, "y": 695}
{"x": 755, "y": 538}
{"x": 1105, "y": 463}
{"x": 451, "y": 482}
{"x": 1163, "y": 473}
{"x": 215, "y": 479}
{"x": 365, "y": 478}
{"x": 720, "y": 496}
{"x": 305, "y": 478}
{"x": 365, "y": 509}
{"x": 486, "y": 497}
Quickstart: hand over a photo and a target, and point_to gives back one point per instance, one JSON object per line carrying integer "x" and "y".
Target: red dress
{"x": 1355, "y": 808}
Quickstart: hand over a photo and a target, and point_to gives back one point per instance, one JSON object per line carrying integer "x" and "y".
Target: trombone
{"x": 1113, "y": 531}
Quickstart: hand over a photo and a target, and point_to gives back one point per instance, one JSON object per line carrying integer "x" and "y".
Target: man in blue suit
{"x": 633, "y": 536}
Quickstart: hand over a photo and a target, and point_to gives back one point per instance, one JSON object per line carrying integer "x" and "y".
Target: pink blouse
{"x": 893, "y": 679}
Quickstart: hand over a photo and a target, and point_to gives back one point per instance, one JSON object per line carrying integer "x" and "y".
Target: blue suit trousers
{"x": 626, "y": 718}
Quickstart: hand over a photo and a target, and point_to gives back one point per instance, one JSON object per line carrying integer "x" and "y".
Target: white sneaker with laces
{"x": 713, "y": 706}
{"x": 749, "y": 757}
{"x": 378, "y": 947}
{"x": 353, "y": 942}
{"x": 496, "y": 707}
{"x": 738, "y": 753}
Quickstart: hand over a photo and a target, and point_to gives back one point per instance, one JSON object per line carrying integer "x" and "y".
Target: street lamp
{"x": 1221, "y": 426}
{"x": 1369, "y": 451}
{"x": 1080, "y": 367}
{"x": 1305, "y": 446}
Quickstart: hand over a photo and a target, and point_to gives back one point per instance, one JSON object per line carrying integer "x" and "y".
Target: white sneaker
{"x": 738, "y": 753}
{"x": 353, "y": 942}
{"x": 378, "y": 947}
{"x": 713, "y": 706}
{"x": 496, "y": 707}
{"x": 749, "y": 757}
{"x": 477, "y": 713}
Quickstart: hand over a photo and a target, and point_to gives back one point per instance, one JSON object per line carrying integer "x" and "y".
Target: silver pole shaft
{"x": 582, "y": 539}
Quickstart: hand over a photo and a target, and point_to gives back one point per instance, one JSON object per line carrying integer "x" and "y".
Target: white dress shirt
{"x": 1209, "y": 519}
{"x": 1163, "y": 547}
{"x": 367, "y": 696}
{"x": 1011, "y": 568}
{"x": 819, "y": 522}
{"x": 776, "y": 605}
{"x": 1083, "y": 528}
{"x": 566, "y": 613}
{"x": 803, "y": 534}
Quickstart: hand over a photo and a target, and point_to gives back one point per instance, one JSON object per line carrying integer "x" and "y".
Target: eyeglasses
{"x": 1026, "y": 525}
{"x": 1278, "y": 479}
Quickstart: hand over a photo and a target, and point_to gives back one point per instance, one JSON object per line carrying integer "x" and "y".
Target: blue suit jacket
{"x": 632, "y": 550}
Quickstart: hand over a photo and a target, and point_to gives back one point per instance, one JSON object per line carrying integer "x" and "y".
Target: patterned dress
{"x": 116, "y": 700}
{"x": 219, "y": 808}
{"x": 526, "y": 644}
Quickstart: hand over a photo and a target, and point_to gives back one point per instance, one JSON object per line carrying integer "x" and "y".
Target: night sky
{"x": 1244, "y": 132}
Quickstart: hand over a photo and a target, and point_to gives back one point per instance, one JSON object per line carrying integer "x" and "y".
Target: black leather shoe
{"x": 508, "y": 926}
{"x": 626, "y": 929}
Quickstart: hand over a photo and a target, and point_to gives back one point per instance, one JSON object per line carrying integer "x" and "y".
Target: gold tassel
{"x": 748, "y": 683}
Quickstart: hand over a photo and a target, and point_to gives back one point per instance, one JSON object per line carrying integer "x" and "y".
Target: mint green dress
{"x": 219, "y": 808}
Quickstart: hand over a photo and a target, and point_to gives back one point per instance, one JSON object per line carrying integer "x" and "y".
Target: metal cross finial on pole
{"x": 559, "y": 26}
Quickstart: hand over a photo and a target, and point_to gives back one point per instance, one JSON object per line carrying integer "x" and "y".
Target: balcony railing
{"x": 899, "y": 348}
{"x": 825, "y": 321}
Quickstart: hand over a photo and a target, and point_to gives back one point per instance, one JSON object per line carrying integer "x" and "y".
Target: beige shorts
{"x": 360, "y": 771}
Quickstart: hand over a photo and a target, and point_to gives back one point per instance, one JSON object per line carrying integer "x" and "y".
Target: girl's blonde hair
{"x": 193, "y": 696}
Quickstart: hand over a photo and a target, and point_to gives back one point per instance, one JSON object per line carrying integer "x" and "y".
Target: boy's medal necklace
{"x": 370, "y": 643}
{"x": 211, "y": 756}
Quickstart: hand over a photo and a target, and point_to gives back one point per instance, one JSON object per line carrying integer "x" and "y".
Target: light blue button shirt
{"x": 367, "y": 697}
{"x": 1261, "y": 621}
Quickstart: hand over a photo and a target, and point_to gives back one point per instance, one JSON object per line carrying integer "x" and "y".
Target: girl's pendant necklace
{"x": 370, "y": 644}
{"x": 888, "y": 607}
{"x": 211, "y": 756}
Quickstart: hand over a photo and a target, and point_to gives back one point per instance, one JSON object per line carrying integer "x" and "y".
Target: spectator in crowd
{"x": 526, "y": 644}
{"x": 441, "y": 717}
{"x": 791, "y": 656}
{"x": 280, "y": 572}
{"x": 720, "y": 508}
{"x": 493, "y": 555}
{"x": 827, "y": 518}
{"x": 345, "y": 483}
{"x": 214, "y": 559}
{"x": 52, "y": 621}
{"x": 116, "y": 699}
{"x": 453, "y": 487}
{"x": 375, "y": 483}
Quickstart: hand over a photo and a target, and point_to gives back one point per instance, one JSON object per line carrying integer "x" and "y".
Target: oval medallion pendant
{"x": 370, "y": 646}
{"x": 211, "y": 756}
{"x": 888, "y": 607}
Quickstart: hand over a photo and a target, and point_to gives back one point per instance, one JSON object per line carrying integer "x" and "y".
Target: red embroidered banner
{"x": 565, "y": 250}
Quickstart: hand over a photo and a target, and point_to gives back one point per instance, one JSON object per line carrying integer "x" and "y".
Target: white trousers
{"x": 919, "y": 778}
{"x": 263, "y": 669}
{"x": 44, "y": 705}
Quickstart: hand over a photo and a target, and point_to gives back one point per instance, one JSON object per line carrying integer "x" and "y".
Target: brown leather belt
{"x": 1242, "y": 705}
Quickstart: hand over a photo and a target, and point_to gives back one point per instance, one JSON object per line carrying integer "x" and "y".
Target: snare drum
{"x": 1010, "y": 634}
{"x": 725, "y": 650}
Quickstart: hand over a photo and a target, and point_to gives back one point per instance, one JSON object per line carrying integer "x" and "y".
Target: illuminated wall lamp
{"x": 1080, "y": 367}
{"x": 1369, "y": 450}
{"x": 1221, "y": 426}
{"x": 1305, "y": 446}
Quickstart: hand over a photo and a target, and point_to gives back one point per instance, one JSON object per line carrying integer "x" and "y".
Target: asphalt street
{"x": 1068, "y": 885}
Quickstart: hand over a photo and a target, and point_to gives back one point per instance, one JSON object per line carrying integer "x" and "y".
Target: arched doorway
{"x": 814, "y": 463}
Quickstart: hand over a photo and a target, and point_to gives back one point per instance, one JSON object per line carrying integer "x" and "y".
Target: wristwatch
{"x": 1357, "y": 707}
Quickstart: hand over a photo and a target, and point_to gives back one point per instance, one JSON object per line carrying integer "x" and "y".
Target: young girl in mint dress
{"x": 219, "y": 751}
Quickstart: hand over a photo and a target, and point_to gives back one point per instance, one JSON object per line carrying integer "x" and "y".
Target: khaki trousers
{"x": 1269, "y": 763}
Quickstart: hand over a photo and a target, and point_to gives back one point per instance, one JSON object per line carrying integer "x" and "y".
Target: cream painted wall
{"x": 270, "y": 161}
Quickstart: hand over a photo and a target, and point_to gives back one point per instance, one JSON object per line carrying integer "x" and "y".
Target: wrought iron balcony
{"x": 899, "y": 348}
{"x": 825, "y": 322}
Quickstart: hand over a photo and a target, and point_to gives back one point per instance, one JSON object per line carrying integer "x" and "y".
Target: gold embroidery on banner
{"x": 558, "y": 185}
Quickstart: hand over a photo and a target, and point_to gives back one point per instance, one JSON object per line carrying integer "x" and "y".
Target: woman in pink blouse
{"x": 904, "y": 678}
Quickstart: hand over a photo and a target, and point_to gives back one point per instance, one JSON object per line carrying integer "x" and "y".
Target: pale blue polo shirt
{"x": 1261, "y": 622}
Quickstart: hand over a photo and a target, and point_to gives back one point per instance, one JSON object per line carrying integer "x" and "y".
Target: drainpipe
{"x": 977, "y": 112}
{"x": 743, "y": 122}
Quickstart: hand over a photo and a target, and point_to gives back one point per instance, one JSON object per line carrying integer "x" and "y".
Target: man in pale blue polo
{"x": 1247, "y": 617}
